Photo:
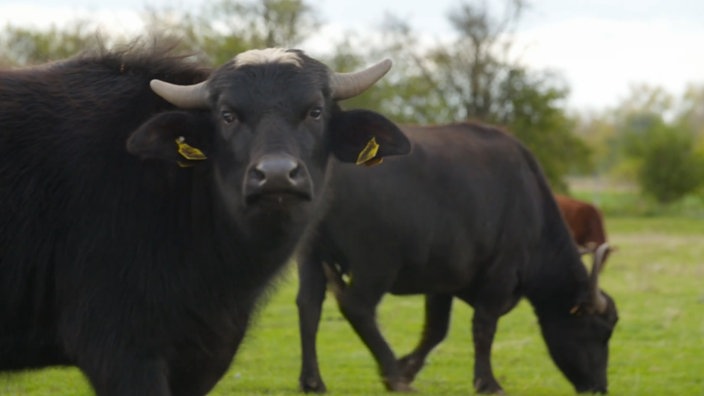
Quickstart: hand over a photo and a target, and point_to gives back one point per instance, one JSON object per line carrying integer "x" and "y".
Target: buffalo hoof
{"x": 410, "y": 366}
{"x": 398, "y": 386}
{"x": 311, "y": 385}
{"x": 488, "y": 387}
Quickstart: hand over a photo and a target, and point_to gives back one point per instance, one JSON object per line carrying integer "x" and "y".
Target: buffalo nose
{"x": 277, "y": 174}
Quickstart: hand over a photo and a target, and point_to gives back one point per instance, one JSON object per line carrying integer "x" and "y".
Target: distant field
{"x": 657, "y": 279}
{"x": 622, "y": 199}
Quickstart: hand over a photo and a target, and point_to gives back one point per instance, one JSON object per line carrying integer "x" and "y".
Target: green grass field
{"x": 656, "y": 277}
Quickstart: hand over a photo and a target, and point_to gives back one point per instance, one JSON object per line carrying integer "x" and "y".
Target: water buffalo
{"x": 467, "y": 214}
{"x": 585, "y": 222}
{"x": 148, "y": 201}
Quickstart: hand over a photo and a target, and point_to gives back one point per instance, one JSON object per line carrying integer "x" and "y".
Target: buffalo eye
{"x": 228, "y": 117}
{"x": 315, "y": 113}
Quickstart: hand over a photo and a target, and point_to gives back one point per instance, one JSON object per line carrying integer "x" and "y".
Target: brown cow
{"x": 585, "y": 222}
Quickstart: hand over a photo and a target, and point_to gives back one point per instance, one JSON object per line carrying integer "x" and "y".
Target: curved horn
{"x": 348, "y": 85}
{"x": 598, "y": 301}
{"x": 182, "y": 96}
{"x": 584, "y": 250}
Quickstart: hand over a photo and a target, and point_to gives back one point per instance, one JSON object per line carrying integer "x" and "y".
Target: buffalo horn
{"x": 348, "y": 85}
{"x": 182, "y": 96}
{"x": 584, "y": 250}
{"x": 598, "y": 300}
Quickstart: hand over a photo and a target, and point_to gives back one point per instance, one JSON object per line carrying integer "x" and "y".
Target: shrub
{"x": 670, "y": 167}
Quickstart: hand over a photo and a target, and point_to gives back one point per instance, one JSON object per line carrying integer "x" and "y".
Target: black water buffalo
{"x": 467, "y": 214}
{"x": 137, "y": 231}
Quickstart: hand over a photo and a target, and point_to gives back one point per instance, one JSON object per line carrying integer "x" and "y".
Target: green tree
{"x": 225, "y": 28}
{"x": 478, "y": 61}
{"x": 690, "y": 110}
{"x": 669, "y": 166}
{"x": 406, "y": 94}
{"x": 598, "y": 131}
{"x": 21, "y": 46}
{"x": 475, "y": 78}
{"x": 531, "y": 106}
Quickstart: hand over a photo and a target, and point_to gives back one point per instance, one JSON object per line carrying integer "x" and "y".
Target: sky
{"x": 600, "y": 47}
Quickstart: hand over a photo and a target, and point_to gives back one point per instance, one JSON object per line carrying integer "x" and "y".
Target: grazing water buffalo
{"x": 139, "y": 226}
{"x": 467, "y": 214}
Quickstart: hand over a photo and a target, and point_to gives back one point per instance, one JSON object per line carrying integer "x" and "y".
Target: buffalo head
{"x": 264, "y": 125}
{"x": 578, "y": 339}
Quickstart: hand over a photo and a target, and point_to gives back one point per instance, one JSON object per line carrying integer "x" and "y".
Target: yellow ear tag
{"x": 187, "y": 151}
{"x": 374, "y": 161}
{"x": 366, "y": 156}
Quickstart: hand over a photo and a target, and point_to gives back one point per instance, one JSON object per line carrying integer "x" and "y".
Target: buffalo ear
{"x": 180, "y": 136}
{"x": 366, "y": 137}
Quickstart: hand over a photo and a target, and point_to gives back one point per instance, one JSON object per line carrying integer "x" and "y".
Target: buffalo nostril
{"x": 295, "y": 173}
{"x": 257, "y": 176}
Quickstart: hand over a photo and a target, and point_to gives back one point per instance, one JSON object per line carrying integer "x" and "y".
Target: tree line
{"x": 651, "y": 137}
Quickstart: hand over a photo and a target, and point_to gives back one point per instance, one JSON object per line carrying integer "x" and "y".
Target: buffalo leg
{"x": 197, "y": 374}
{"x": 483, "y": 331}
{"x": 311, "y": 293}
{"x": 128, "y": 377}
{"x": 358, "y": 306}
{"x": 199, "y": 381}
{"x": 437, "y": 320}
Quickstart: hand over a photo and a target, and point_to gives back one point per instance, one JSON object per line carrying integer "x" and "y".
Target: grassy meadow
{"x": 656, "y": 278}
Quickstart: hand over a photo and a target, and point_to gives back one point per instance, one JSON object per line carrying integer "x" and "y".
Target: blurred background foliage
{"x": 651, "y": 141}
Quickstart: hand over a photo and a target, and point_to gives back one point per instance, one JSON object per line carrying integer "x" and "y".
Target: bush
{"x": 670, "y": 168}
